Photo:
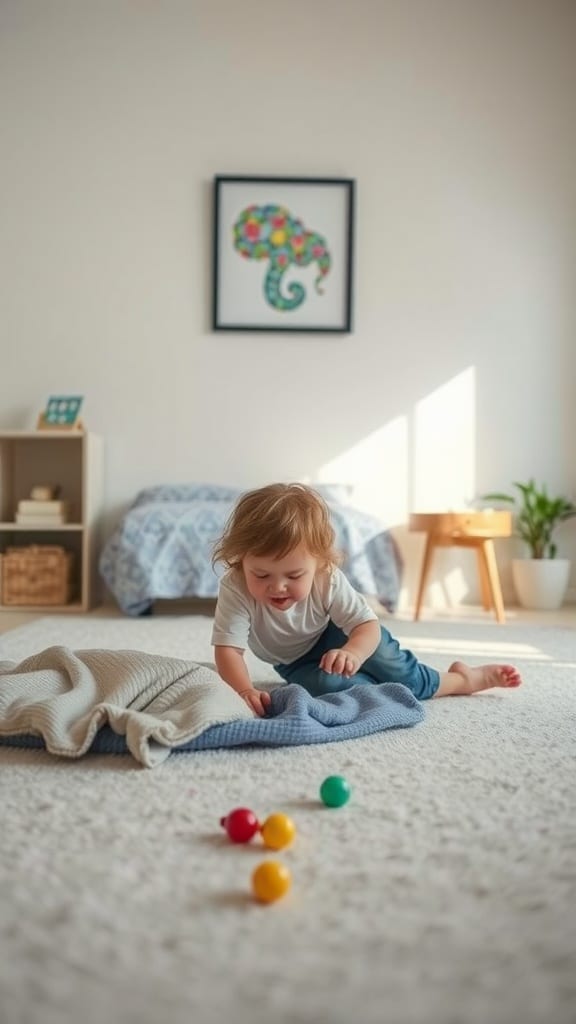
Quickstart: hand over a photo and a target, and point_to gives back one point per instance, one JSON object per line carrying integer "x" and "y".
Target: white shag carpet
{"x": 443, "y": 893}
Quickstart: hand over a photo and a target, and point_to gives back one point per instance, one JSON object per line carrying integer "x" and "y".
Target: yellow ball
{"x": 278, "y": 831}
{"x": 270, "y": 881}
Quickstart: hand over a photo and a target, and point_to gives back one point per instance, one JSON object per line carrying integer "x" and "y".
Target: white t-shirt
{"x": 280, "y": 637}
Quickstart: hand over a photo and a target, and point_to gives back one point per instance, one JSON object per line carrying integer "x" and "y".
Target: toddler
{"x": 284, "y": 597}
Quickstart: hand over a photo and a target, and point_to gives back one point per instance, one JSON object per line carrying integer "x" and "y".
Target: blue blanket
{"x": 294, "y": 718}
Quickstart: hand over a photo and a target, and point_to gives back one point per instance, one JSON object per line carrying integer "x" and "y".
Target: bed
{"x": 162, "y": 546}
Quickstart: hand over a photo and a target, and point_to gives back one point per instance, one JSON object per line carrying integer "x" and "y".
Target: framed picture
{"x": 283, "y": 254}
{"x": 62, "y": 412}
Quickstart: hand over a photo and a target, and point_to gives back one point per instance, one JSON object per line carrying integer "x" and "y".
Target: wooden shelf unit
{"x": 73, "y": 460}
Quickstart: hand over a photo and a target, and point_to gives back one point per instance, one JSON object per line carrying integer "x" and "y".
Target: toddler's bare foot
{"x": 484, "y": 677}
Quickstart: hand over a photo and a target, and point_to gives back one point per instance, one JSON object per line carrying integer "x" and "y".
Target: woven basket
{"x": 36, "y": 575}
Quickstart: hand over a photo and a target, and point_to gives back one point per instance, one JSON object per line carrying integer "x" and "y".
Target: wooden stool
{"x": 465, "y": 530}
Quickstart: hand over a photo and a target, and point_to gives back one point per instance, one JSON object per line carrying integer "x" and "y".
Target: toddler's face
{"x": 280, "y": 582}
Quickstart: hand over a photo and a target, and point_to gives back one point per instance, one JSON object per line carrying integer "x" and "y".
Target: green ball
{"x": 335, "y": 791}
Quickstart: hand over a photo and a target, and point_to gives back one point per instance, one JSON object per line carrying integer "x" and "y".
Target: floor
{"x": 565, "y": 616}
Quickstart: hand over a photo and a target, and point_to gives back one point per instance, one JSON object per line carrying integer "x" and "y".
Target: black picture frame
{"x": 283, "y": 254}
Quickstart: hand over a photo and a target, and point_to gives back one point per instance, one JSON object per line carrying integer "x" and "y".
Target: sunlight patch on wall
{"x": 443, "y": 471}
{"x": 456, "y": 586}
{"x": 377, "y": 468}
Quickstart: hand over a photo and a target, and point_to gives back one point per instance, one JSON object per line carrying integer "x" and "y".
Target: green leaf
{"x": 536, "y": 515}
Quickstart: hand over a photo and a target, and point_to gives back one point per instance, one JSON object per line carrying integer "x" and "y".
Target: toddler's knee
{"x": 330, "y": 682}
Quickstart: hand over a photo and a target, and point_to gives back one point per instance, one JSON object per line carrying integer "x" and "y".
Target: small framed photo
{"x": 62, "y": 412}
{"x": 283, "y": 250}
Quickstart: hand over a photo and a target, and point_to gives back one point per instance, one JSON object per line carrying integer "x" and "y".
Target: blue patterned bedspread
{"x": 162, "y": 548}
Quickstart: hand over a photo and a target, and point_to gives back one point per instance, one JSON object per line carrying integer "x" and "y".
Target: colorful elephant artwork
{"x": 271, "y": 233}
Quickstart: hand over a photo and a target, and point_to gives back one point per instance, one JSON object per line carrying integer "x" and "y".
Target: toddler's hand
{"x": 258, "y": 700}
{"x": 340, "y": 661}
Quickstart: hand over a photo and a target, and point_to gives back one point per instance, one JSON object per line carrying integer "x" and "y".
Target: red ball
{"x": 241, "y": 825}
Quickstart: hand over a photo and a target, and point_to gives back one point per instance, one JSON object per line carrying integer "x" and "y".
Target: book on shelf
{"x": 31, "y": 507}
{"x": 25, "y": 519}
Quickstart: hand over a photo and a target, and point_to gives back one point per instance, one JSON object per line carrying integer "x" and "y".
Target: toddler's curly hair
{"x": 272, "y": 521}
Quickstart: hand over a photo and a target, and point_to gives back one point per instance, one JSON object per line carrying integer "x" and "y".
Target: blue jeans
{"x": 388, "y": 664}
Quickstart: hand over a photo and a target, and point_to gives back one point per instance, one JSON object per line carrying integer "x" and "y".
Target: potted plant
{"x": 540, "y": 580}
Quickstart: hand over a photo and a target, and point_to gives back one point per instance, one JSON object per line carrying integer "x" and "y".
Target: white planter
{"x": 540, "y": 582}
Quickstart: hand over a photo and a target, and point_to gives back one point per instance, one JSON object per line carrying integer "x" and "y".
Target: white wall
{"x": 457, "y": 120}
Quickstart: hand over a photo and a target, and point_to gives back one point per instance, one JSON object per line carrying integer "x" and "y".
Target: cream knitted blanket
{"x": 156, "y": 702}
